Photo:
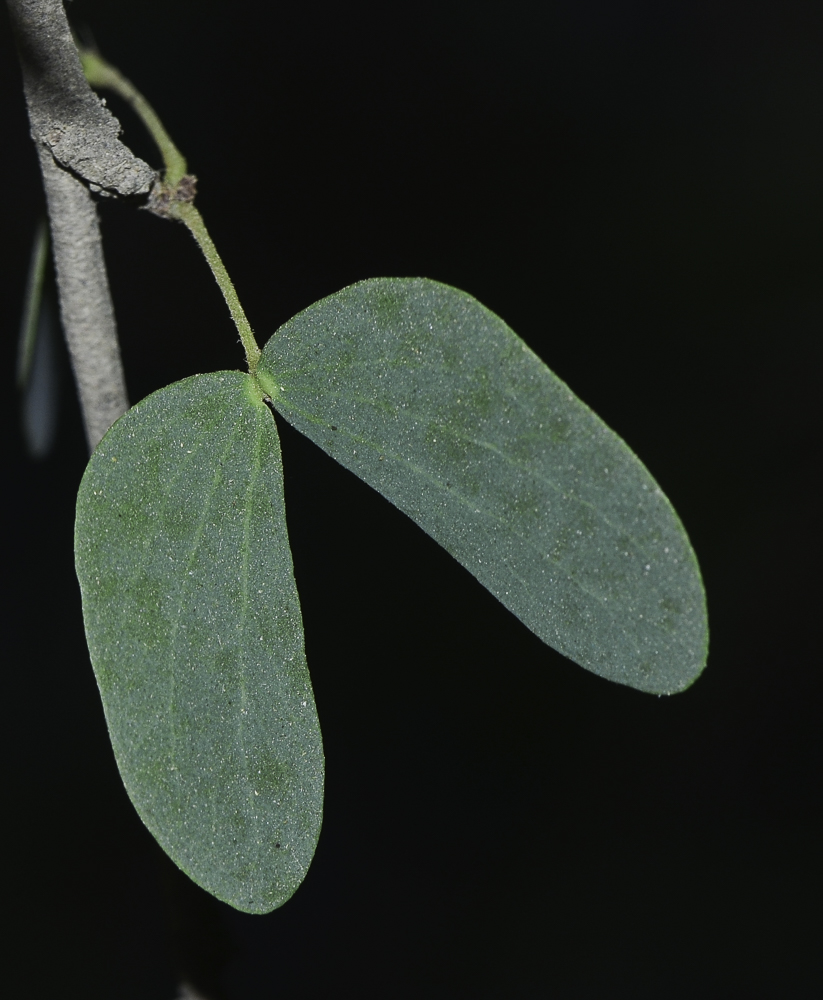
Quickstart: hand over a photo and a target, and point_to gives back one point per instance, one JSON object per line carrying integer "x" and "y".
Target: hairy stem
{"x": 103, "y": 75}
{"x": 193, "y": 220}
{"x": 173, "y": 198}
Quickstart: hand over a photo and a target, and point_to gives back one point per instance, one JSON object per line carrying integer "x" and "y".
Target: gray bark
{"x": 86, "y": 308}
{"x": 77, "y": 142}
{"x": 65, "y": 114}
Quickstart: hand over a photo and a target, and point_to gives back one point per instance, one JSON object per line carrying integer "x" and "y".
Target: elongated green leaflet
{"x": 432, "y": 400}
{"x": 194, "y": 628}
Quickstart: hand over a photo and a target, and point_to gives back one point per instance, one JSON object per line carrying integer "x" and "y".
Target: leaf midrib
{"x": 475, "y": 506}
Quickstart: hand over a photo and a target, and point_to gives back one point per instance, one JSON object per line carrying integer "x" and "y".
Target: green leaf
{"x": 432, "y": 400}
{"x": 194, "y": 628}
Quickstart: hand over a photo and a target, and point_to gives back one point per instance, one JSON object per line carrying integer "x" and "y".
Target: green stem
{"x": 101, "y": 74}
{"x": 174, "y": 195}
{"x": 188, "y": 214}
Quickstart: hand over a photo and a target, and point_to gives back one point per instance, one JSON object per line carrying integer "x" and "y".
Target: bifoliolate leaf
{"x": 194, "y": 628}
{"x": 432, "y": 400}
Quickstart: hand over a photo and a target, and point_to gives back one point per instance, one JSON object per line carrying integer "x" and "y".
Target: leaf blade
{"x": 431, "y": 399}
{"x": 194, "y": 629}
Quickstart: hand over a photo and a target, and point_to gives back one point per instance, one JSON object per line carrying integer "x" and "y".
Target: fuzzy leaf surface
{"x": 431, "y": 399}
{"x": 195, "y": 633}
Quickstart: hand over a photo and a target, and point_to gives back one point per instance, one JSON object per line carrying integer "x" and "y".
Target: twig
{"x": 86, "y": 308}
{"x": 79, "y": 151}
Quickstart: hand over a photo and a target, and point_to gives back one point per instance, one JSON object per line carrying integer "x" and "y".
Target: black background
{"x": 637, "y": 188}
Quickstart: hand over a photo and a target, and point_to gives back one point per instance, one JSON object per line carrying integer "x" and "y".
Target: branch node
{"x": 163, "y": 197}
